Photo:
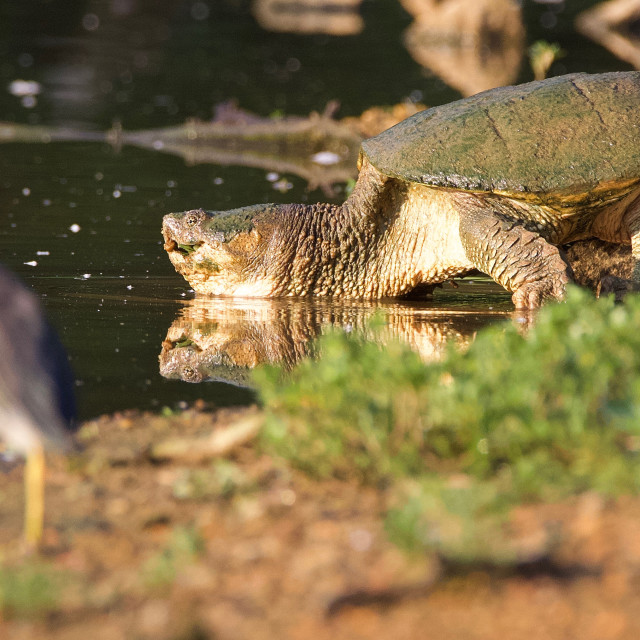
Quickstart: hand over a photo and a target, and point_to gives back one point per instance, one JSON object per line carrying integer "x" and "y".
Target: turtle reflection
{"x": 223, "y": 339}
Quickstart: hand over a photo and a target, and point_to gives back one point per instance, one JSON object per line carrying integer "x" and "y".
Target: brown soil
{"x": 285, "y": 556}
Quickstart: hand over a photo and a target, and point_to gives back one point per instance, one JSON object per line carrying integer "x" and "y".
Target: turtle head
{"x": 184, "y": 359}
{"x": 222, "y": 252}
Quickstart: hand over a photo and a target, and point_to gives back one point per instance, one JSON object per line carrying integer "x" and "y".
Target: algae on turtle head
{"x": 493, "y": 182}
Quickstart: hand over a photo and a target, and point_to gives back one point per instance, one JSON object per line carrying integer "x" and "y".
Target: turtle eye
{"x": 188, "y": 373}
{"x": 191, "y": 219}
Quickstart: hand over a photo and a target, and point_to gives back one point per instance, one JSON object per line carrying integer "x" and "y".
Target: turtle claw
{"x": 619, "y": 287}
{"x": 531, "y": 295}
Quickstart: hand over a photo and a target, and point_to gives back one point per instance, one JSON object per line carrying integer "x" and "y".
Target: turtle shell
{"x": 568, "y": 138}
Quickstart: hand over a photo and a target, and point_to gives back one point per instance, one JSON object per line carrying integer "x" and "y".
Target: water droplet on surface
{"x": 548, "y": 20}
{"x": 199, "y": 11}
{"x": 90, "y": 21}
{"x": 25, "y": 60}
{"x": 282, "y": 186}
{"x": 20, "y": 88}
{"x": 325, "y": 158}
{"x": 293, "y": 65}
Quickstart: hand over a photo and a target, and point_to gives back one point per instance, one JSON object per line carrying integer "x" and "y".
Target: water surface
{"x": 80, "y": 221}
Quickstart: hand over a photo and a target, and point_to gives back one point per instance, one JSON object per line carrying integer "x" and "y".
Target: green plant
{"x": 542, "y": 55}
{"x": 29, "y": 590}
{"x": 353, "y": 411}
{"x": 222, "y": 479}
{"x": 535, "y": 417}
{"x": 184, "y": 547}
{"x": 459, "y": 517}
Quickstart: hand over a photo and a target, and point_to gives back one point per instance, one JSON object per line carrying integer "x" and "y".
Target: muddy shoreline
{"x": 244, "y": 546}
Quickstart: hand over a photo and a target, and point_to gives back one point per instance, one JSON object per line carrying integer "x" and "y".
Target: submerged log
{"x": 318, "y": 148}
{"x": 334, "y": 17}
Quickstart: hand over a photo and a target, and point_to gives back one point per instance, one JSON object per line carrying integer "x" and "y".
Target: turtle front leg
{"x": 520, "y": 260}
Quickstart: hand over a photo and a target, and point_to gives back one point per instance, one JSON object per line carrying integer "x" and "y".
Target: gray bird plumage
{"x": 36, "y": 385}
{"x": 37, "y": 405}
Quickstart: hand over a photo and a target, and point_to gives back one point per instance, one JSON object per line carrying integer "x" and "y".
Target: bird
{"x": 37, "y": 400}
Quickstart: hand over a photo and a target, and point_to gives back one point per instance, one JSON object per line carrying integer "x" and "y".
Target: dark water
{"x": 80, "y": 221}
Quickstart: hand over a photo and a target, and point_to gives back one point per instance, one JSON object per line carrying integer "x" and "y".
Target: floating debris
{"x": 21, "y": 88}
{"x": 326, "y": 158}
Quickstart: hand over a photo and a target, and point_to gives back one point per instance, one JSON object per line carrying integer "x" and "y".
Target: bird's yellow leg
{"x": 34, "y": 496}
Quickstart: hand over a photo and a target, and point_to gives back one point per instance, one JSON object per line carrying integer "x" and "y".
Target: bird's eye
{"x": 191, "y": 219}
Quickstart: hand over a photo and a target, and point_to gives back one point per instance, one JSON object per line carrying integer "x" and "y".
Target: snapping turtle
{"x": 493, "y": 182}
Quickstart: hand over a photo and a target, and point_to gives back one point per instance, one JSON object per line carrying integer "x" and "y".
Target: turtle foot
{"x": 531, "y": 295}
{"x": 619, "y": 287}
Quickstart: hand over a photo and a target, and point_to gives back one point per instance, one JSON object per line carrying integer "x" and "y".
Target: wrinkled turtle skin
{"x": 495, "y": 182}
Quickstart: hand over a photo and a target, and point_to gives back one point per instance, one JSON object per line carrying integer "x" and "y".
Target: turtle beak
{"x": 175, "y": 238}
{"x": 185, "y": 249}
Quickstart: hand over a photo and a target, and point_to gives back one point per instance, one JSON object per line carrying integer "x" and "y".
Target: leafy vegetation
{"x": 516, "y": 418}
{"x": 542, "y": 55}
{"x": 183, "y": 548}
{"x": 223, "y": 479}
{"x": 30, "y": 589}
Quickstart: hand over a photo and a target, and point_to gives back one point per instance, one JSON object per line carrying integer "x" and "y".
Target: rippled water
{"x": 80, "y": 221}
